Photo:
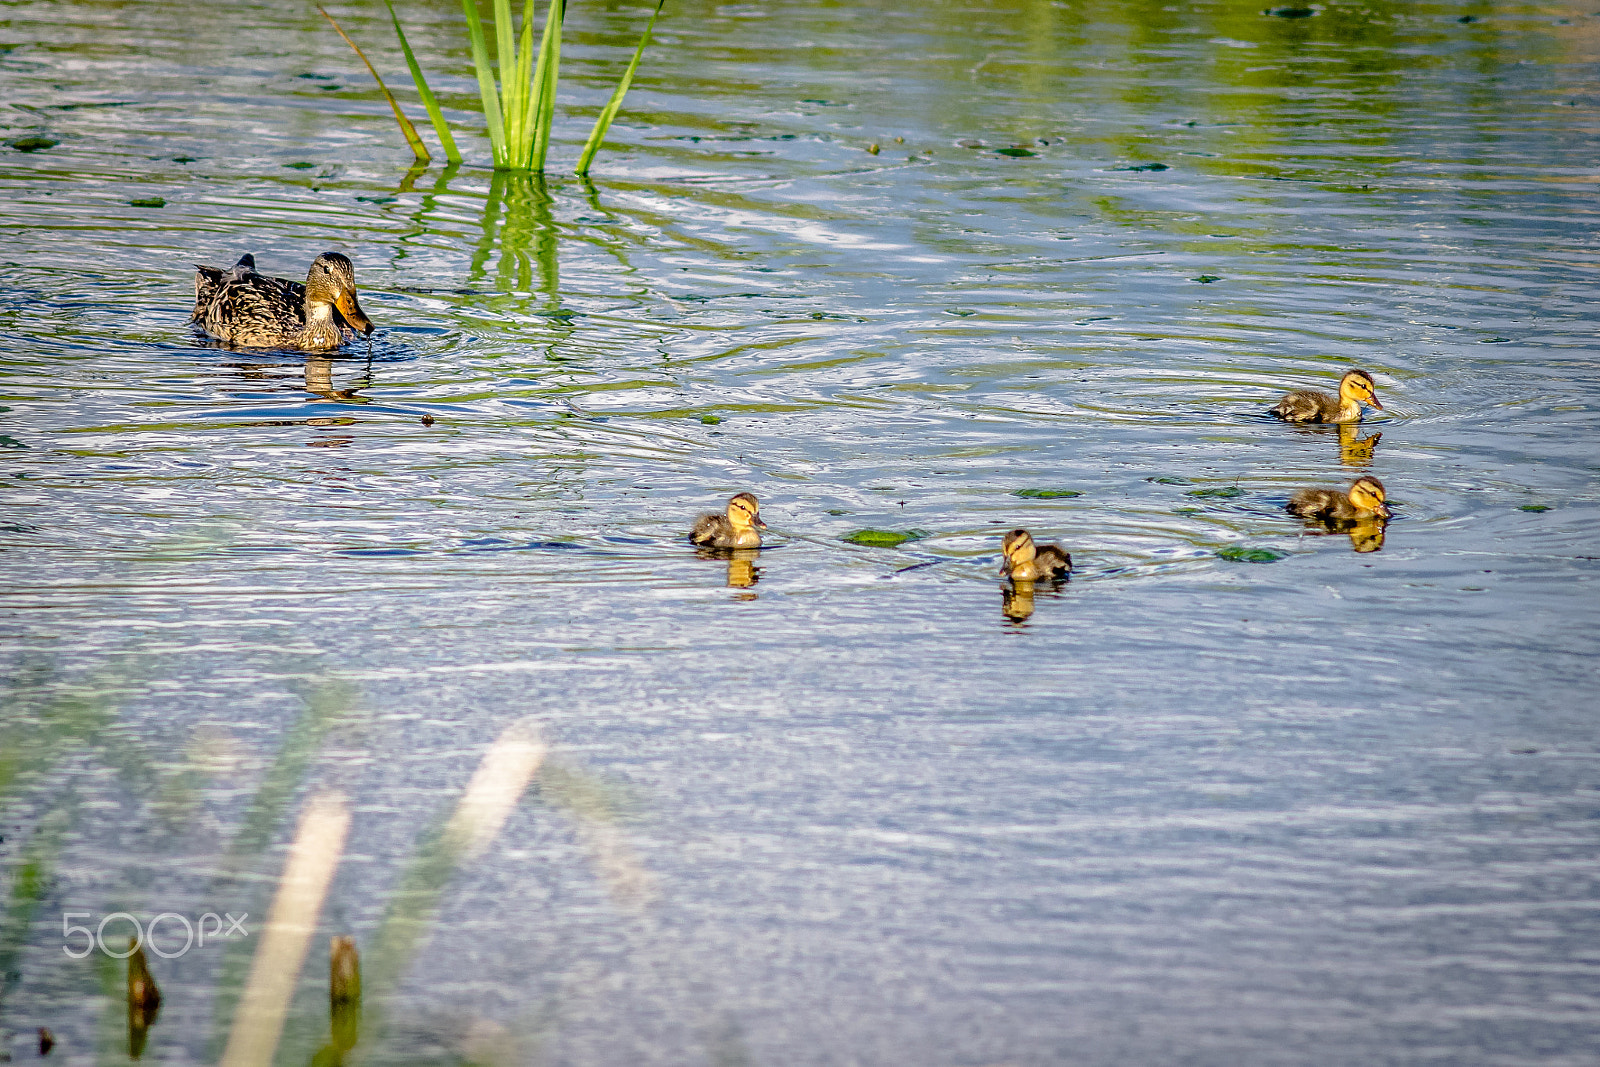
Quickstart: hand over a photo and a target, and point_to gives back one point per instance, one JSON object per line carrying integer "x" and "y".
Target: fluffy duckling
{"x": 242, "y": 307}
{"x": 736, "y": 529}
{"x": 1355, "y": 388}
{"x": 1365, "y": 500}
{"x": 1026, "y": 562}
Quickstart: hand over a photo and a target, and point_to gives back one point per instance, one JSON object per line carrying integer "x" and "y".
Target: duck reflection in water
{"x": 144, "y": 1001}
{"x": 1362, "y": 511}
{"x": 1355, "y": 450}
{"x": 1025, "y": 564}
{"x": 742, "y": 570}
{"x": 319, "y": 380}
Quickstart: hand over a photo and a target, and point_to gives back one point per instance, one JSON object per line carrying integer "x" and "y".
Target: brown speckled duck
{"x": 244, "y": 308}
{"x": 1027, "y": 562}
{"x": 1364, "y": 501}
{"x": 1355, "y": 388}
{"x": 738, "y": 528}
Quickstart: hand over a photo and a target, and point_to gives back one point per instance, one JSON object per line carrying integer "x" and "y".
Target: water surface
{"x": 836, "y": 804}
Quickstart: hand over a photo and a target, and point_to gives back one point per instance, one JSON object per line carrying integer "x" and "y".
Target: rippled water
{"x": 1339, "y": 807}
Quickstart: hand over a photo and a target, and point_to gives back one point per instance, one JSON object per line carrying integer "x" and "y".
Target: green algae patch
{"x": 1246, "y": 554}
{"x": 884, "y": 538}
{"x": 1534, "y": 507}
{"x": 1045, "y": 494}
{"x": 1224, "y": 492}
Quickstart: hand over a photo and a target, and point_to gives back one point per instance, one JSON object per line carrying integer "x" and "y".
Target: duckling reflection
{"x": 742, "y": 569}
{"x": 1361, "y": 512}
{"x": 1367, "y": 536}
{"x": 1355, "y": 450}
{"x": 1016, "y": 600}
{"x": 739, "y": 527}
{"x": 1306, "y": 405}
{"x": 144, "y": 1001}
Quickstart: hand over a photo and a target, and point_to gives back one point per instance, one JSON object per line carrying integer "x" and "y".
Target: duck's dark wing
{"x": 1306, "y": 406}
{"x": 1316, "y": 504}
{"x": 1053, "y": 559}
{"x": 707, "y": 528}
{"x": 248, "y": 309}
{"x": 207, "y": 280}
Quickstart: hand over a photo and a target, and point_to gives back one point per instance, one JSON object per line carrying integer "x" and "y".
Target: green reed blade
{"x": 524, "y": 75}
{"x": 406, "y": 128}
{"x": 505, "y": 39}
{"x": 429, "y": 101}
{"x": 486, "y": 89}
{"x": 544, "y": 82}
{"x": 614, "y": 105}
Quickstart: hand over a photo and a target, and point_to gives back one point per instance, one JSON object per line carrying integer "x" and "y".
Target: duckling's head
{"x": 1017, "y": 548}
{"x": 744, "y": 512}
{"x": 332, "y": 280}
{"x": 1358, "y": 385}
{"x": 1367, "y": 494}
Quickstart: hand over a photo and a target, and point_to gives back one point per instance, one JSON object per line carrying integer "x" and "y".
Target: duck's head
{"x": 744, "y": 512}
{"x": 1018, "y": 549}
{"x": 1367, "y": 494}
{"x": 332, "y": 280}
{"x": 1358, "y": 385}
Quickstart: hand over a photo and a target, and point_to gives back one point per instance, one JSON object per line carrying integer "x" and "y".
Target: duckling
{"x": 737, "y": 529}
{"x": 1355, "y": 388}
{"x": 1025, "y": 561}
{"x": 242, "y": 307}
{"x": 1365, "y": 500}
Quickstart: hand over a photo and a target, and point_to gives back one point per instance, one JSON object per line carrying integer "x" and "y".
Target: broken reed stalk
{"x": 406, "y": 128}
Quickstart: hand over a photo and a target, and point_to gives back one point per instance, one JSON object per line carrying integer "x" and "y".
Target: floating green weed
{"x": 1246, "y": 554}
{"x": 1226, "y": 492}
{"x": 1169, "y": 480}
{"x": 1045, "y": 494}
{"x": 34, "y": 143}
{"x": 149, "y": 201}
{"x": 1534, "y": 507}
{"x": 710, "y": 420}
{"x": 884, "y": 538}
